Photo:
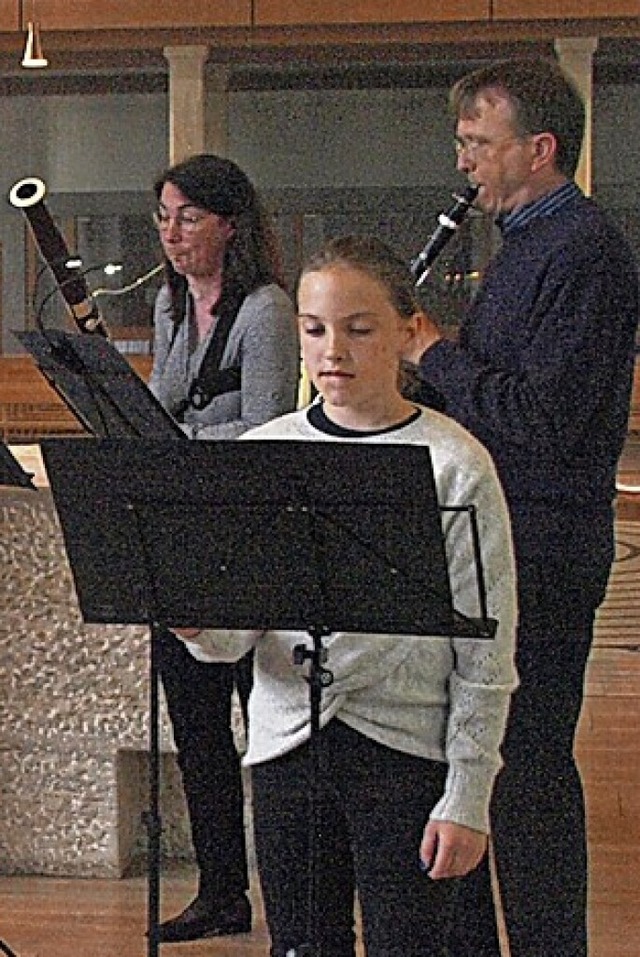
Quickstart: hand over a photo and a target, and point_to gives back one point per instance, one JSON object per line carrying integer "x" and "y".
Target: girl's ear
{"x": 411, "y": 328}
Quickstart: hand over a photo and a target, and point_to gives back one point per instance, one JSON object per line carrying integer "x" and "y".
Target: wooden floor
{"x": 48, "y": 917}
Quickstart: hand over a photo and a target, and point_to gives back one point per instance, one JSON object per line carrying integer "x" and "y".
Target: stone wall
{"x": 74, "y": 711}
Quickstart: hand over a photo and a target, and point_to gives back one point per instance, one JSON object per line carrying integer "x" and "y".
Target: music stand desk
{"x": 98, "y": 385}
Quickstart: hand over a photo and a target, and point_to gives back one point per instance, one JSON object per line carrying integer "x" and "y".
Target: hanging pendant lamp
{"x": 33, "y": 57}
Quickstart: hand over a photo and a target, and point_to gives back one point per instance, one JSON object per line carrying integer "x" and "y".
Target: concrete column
{"x": 575, "y": 55}
{"x": 187, "y": 98}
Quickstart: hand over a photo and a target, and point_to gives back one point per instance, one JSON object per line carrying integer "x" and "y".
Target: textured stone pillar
{"x": 575, "y": 55}
{"x": 74, "y": 713}
{"x": 187, "y": 97}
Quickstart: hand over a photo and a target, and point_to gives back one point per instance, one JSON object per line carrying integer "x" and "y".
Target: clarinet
{"x": 28, "y": 195}
{"x": 447, "y": 225}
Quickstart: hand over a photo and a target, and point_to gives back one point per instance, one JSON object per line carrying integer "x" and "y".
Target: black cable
{"x": 59, "y": 287}
{"x": 42, "y": 270}
{"x": 97, "y": 293}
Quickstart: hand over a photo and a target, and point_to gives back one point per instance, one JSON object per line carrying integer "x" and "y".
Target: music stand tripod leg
{"x": 7, "y": 950}
{"x": 152, "y": 817}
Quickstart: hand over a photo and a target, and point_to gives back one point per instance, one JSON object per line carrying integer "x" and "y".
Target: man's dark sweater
{"x": 542, "y": 374}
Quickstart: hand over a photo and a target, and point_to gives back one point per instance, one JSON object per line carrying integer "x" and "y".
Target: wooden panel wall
{"x": 290, "y": 12}
{"x": 81, "y": 15}
{"x": 152, "y": 14}
{"x": 70, "y": 15}
{"x": 9, "y": 15}
{"x": 562, "y": 9}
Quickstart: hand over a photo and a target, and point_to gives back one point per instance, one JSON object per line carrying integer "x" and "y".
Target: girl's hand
{"x": 451, "y": 850}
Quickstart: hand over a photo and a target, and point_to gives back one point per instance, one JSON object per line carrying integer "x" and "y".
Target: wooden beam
{"x": 147, "y": 14}
{"x": 9, "y": 16}
{"x": 562, "y": 9}
{"x": 286, "y": 13}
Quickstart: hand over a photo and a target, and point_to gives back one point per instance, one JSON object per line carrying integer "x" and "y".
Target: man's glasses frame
{"x": 476, "y": 145}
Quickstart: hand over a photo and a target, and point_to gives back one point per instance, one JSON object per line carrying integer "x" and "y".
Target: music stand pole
{"x": 319, "y": 678}
{"x": 152, "y": 817}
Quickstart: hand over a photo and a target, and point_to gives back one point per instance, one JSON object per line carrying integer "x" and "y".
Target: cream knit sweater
{"x": 440, "y": 698}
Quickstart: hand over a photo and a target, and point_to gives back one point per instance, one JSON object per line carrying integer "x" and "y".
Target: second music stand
{"x": 98, "y": 385}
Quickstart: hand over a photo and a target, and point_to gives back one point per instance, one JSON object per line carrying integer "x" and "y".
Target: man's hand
{"x": 451, "y": 850}
{"x": 426, "y": 334}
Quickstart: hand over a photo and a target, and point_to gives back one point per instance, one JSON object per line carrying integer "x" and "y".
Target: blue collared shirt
{"x": 544, "y": 206}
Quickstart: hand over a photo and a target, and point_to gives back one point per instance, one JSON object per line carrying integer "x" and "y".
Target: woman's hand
{"x": 451, "y": 850}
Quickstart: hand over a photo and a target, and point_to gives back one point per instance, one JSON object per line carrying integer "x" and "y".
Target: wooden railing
{"x": 634, "y": 414}
{"x": 30, "y": 409}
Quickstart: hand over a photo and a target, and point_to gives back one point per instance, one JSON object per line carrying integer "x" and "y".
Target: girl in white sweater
{"x": 411, "y": 726}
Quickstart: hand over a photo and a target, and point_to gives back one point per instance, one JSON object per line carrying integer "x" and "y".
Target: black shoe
{"x": 200, "y": 919}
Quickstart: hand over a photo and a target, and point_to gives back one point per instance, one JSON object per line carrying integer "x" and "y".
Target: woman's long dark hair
{"x": 251, "y": 256}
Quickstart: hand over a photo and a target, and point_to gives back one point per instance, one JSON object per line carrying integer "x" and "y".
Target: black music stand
{"x": 11, "y": 472}
{"x": 256, "y": 535}
{"x": 98, "y": 385}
